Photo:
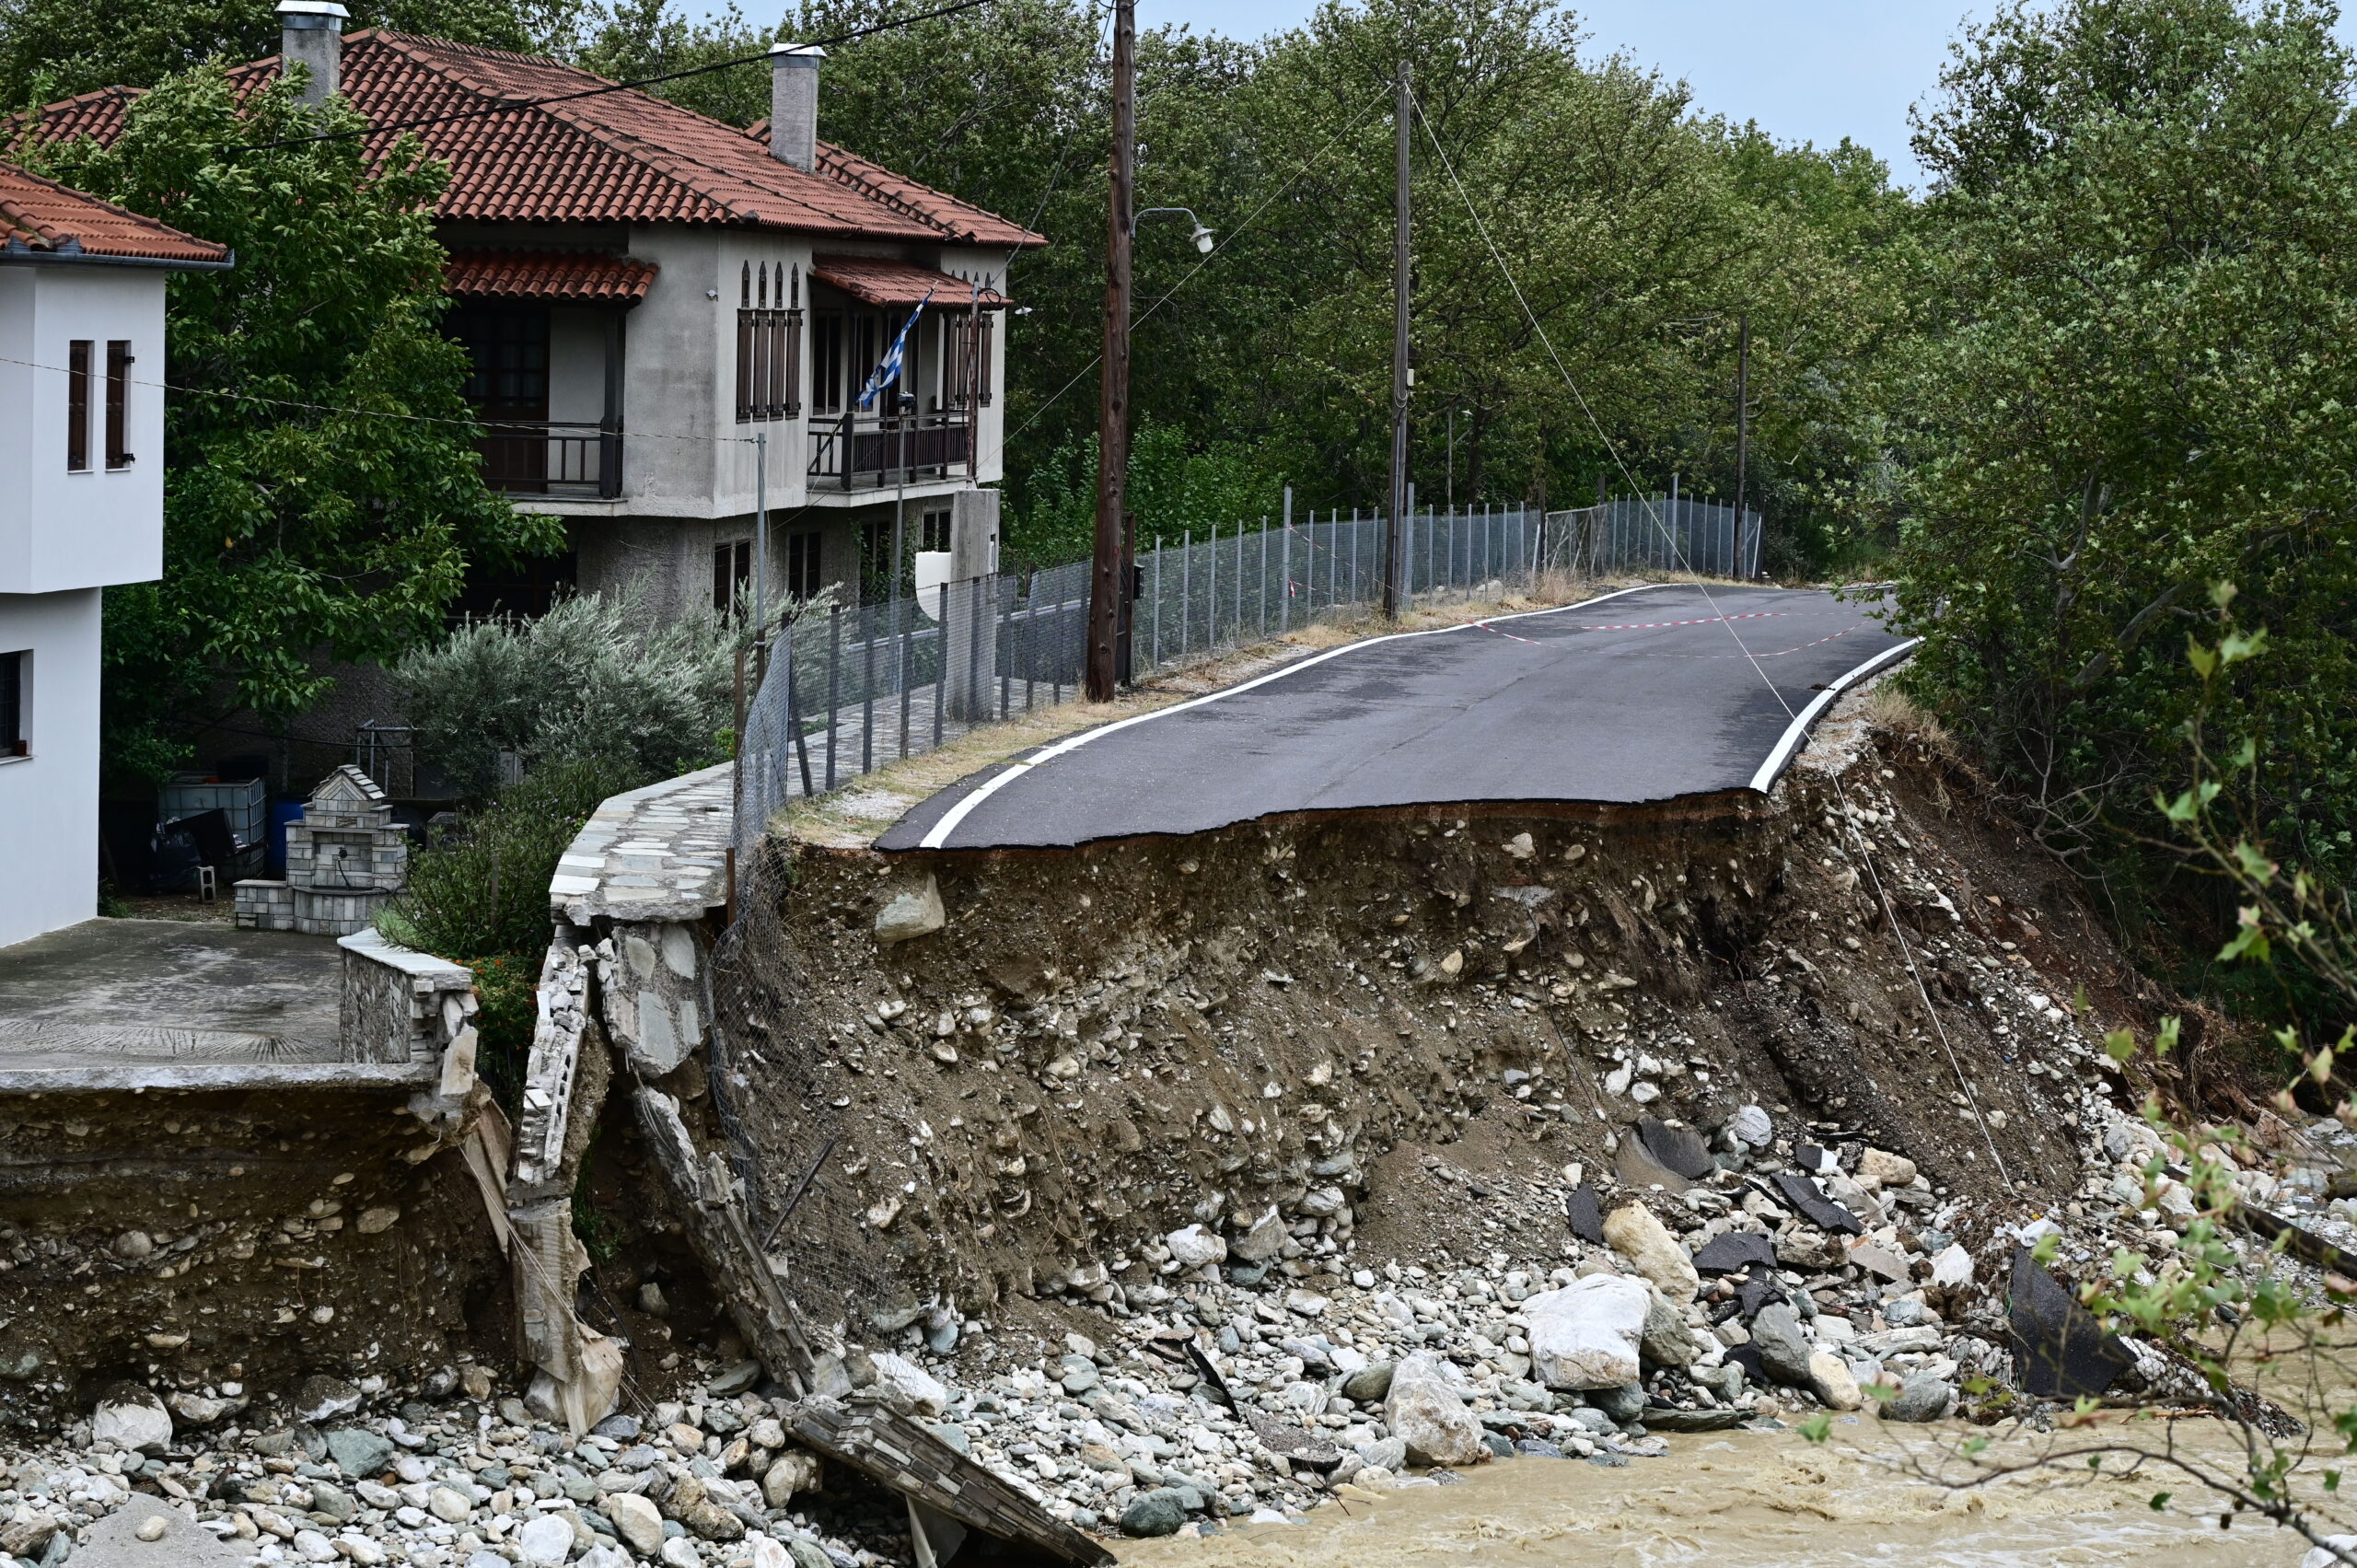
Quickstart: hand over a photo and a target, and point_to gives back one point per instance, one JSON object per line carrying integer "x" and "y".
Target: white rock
{"x": 1195, "y": 1247}
{"x": 681, "y": 1551}
{"x": 315, "y": 1547}
{"x": 547, "y": 1539}
{"x": 767, "y": 1553}
{"x": 792, "y": 1473}
{"x": 1830, "y": 1381}
{"x": 636, "y": 1521}
{"x": 1633, "y": 1232}
{"x": 132, "y": 1423}
{"x": 1750, "y": 1124}
{"x": 924, "y": 1390}
{"x": 914, "y": 912}
{"x": 2318, "y": 1557}
{"x": 1953, "y": 1266}
{"x": 1585, "y": 1335}
{"x": 1426, "y": 1414}
{"x": 450, "y": 1506}
{"x": 1877, "y": 1169}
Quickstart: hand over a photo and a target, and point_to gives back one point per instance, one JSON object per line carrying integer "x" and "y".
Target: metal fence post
{"x": 1157, "y": 607}
{"x": 1185, "y": 590}
{"x": 941, "y": 658}
{"x": 1284, "y": 569}
{"x": 835, "y": 684}
{"x": 904, "y": 612}
{"x": 794, "y": 718}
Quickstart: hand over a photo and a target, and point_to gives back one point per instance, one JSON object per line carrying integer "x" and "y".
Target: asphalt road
{"x": 1638, "y": 696}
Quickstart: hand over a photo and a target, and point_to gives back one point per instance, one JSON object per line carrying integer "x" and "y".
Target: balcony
{"x": 872, "y": 451}
{"x": 543, "y": 456}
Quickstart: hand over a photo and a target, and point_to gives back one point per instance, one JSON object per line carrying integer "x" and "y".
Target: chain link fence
{"x": 846, "y": 690}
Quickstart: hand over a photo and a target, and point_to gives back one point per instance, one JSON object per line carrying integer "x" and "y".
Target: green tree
{"x": 323, "y": 497}
{"x": 51, "y": 49}
{"x": 2128, "y": 378}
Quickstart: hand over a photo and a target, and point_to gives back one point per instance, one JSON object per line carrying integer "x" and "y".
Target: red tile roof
{"x": 564, "y": 276}
{"x": 874, "y": 280}
{"x": 621, "y": 157}
{"x": 40, "y": 216}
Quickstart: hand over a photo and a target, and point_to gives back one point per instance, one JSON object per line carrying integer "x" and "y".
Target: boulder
{"x": 1830, "y": 1380}
{"x": 143, "y": 1533}
{"x": 1425, "y": 1413}
{"x": 1750, "y": 1125}
{"x": 1667, "y": 1340}
{"x": 1369, "y": 1386}
{"x": 1679, "y": 1148}
{"x": 912, "y": 1382}
{"x": 1877, "y": 1169}
{"x": 359, "y": 1452}
{"x": 636, "y": 1521}
{"x": 1585, "y": 1214}
{"x": 546, "y": 1538}
{"x": 1736, "y": 1251}
{"x": 1636, "y": 1235}
{"x": 1923, "y": 1396}
{"x": 911, "y": 913}
{"x": 791, "y": 1474}
{"x": 1262, "y": 1241}
{"x": 1586, "y": 1335}
{"x": 1195, "y": 1247}
{"x": 1783, "y": 1349}
{"x": 323, "y": 1399}
{"x": 132, "y": 1419}
{"x": 1621, "y": 1405}
{"x": 1157, "y": 1513}
{"x": 2060, "y": 1351}
{"x": 2329, "y": 1554}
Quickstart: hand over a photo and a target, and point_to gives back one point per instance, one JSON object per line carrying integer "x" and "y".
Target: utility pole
{"x": 1742, "y": 408}
{"x": 1106, "y": 578}
{"x": 1395, "y": 526}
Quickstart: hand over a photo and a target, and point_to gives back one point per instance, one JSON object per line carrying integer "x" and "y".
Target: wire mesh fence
{"x": 846, "y": 690}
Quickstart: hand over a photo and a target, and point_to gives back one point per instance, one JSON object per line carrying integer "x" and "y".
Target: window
{"x": 827, "y": 361}
{"x": 769, "y": 342}
{"x": 732, "y": 571}
{"x": 875, "y": 571}
{"x": 117, "y": 404}
{"x": 14, "y": 741}
{"x": 932, "y": 530}
{"x": 803, "y": 552}
{"x": 77, "y": 405}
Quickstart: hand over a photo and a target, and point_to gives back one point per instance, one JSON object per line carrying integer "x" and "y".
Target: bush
{"x": 479, "y": 895}
{"x": 591, "y": 678}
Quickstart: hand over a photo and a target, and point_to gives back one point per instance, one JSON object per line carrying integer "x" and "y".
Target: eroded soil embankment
{"x": 1395, "y": 1030}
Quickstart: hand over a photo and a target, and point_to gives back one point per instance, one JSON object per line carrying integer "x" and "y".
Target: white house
{"x": 81, "y": 507}
{"x": 644, "y": 291}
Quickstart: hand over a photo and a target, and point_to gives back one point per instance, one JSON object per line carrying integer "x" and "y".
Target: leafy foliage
{"x": 323, "y": 496}
{"x": 593, "y": 678}
{"x": 482, "y": 891}
{"x": 51, "y": 49}
{"x": 2127, "y": 378}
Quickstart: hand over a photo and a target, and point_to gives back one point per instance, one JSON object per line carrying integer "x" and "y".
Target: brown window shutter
{"x": 793, "y": 363}
{"x": 724, "y": 586}
{"x": 744, "y": 371}
{"x": 77, "y": 405}
{"x": 982, "y": 357}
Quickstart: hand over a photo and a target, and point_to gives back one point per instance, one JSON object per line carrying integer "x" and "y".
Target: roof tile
{"x": 565, "y": 276}
{"x": 43, "y": 217}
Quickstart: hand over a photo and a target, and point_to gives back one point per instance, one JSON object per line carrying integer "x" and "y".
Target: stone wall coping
{"x": 374, "y": 945}
{"x": 655, "y": 854}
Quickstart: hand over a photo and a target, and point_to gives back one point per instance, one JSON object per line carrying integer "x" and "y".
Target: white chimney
{"x": 310, "y": 32}
{"x": 793, "y": 103}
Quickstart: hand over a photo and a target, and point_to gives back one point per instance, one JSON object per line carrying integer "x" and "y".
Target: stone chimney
{"x": 311, "y": 32}
{"x": 793, "y": 103}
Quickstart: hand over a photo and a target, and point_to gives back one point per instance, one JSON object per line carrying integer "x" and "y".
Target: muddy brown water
{"x": 1750, "y": 1500}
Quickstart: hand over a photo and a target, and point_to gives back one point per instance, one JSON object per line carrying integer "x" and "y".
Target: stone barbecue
{"x": 344, "y": 860}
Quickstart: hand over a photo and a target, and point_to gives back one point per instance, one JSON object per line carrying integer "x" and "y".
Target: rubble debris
{"x": 2060, "y": 1350}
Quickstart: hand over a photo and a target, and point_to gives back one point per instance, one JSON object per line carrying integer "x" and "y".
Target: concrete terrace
{"x": 166, "y": 1003}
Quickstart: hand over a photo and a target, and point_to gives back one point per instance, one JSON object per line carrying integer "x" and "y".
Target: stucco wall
{"x": 82, "y": 529}
{"x": 49, "y": 800}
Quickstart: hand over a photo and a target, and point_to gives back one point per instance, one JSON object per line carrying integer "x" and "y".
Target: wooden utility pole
{"x": 1396, "y": 526}
{"x": 1742, "y": 408}
{"x": 1105, "y": 578}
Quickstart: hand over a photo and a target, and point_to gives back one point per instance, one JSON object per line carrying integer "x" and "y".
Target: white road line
{"x": 1797, "y": 731}
{"x": 938, "y": 834}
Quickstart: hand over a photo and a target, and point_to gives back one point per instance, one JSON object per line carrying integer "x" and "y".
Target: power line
{"x": 509, "y": 108}
{"x": 1891, "y": 918}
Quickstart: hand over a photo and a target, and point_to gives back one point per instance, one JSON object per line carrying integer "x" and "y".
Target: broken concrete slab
{"x": 2060, "y": 1351}
{"x": 116, "y": 1541}
{"x": 1585, "y": 1210}
{"x": 1801, "y": 1193}
{"x": 1638, "y": 1168}
{"x": 1736, "y": 1251}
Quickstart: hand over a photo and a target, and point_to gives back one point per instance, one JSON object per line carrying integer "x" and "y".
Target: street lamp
{"x": 1201, "y": 237}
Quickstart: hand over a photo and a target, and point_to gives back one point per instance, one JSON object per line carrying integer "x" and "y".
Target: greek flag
{"x": 888, "y": 370}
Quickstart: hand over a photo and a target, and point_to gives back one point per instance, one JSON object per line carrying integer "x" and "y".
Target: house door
{"x": 509, "y": 389}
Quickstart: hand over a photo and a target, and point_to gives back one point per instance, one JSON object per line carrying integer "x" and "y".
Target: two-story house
{"x": 646, "y": 291}
{"x": 81, "y": 507}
